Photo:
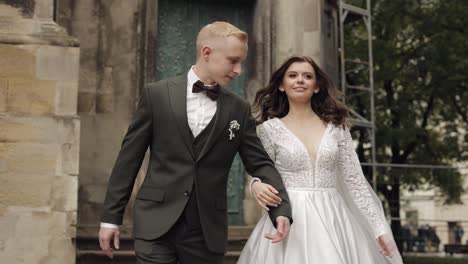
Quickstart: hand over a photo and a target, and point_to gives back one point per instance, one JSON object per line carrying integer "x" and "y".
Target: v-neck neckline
{"x": 304, "y": 146}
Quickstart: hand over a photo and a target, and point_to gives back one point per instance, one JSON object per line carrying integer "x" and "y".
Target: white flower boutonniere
{"x": 234, "y": 125}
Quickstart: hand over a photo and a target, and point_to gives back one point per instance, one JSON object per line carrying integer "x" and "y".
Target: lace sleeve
{"x": 267, "y": 141}
{"x": 357, "y": 185}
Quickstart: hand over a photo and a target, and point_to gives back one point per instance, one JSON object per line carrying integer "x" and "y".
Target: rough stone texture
{"x": 26, "y": 7}
{"x": 314, "y": 32}
{"x": 3, "y": 94}
{"x": 39, "y": 136}
{"x": 57, "y": 63}
{"x": 67, "y": 92}
{"x": 16, "y": 63}
{"x": 106, "y": 93}
{"x": 30, "y": 96}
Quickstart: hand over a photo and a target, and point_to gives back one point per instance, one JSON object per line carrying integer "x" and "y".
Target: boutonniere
{"x": 234, "y": 125}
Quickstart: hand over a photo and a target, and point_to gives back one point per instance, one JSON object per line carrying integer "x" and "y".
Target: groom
{"x": 194, "y": 128}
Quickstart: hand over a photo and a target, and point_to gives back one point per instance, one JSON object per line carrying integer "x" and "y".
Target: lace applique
{"x": 356, "y": 183}
{"x": 290, "y": 160}
{"x": 267, "y": 140}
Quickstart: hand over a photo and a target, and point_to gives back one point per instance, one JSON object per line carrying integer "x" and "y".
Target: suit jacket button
{"x": 186, "y": 193}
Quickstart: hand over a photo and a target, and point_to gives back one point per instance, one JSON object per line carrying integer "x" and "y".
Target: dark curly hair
{"x": 271, "y": 102}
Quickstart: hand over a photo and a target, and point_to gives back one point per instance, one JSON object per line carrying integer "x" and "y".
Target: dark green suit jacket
{"x": 160, "y": 123}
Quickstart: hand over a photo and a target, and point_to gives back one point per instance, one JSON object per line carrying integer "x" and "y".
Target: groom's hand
{"x": 107, "y": 234}
{"x": 282, "y": 230}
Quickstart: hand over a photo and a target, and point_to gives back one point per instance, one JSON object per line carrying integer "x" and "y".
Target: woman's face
{"x": 299, "y": 82}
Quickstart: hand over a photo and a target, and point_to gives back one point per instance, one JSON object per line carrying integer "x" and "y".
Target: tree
{"x": 420, "y": 53}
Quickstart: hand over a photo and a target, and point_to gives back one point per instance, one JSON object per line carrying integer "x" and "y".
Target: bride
{"x": 338, "y": 219}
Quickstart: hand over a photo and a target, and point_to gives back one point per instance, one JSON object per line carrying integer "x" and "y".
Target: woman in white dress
{"x": 338, "y": 219}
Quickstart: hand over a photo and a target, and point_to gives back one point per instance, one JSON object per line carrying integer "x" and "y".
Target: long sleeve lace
{"x": 357, "y": 184}
{"x": 265, "y": 136}
{"x": 267, "y": 143}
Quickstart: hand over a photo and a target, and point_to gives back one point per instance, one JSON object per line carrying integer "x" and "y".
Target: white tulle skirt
{"x": 324, "y": 232}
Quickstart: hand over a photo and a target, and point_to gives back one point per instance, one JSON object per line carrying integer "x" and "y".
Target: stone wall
{"x": 305, "y": 27}
{"x": 39, "y": 135}
{"x": 111, "y": 34}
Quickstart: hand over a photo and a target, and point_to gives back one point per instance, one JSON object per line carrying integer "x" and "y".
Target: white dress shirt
{"x": 200, "y": 108}
{"x": 200, "y": 111}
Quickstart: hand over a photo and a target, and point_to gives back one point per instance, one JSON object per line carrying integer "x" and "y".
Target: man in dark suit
{"x": 194, "y": 128}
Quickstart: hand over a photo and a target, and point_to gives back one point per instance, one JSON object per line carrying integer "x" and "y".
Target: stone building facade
{"x": 39, "y": 135}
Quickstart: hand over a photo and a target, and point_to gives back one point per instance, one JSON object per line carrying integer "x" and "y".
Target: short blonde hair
{"x": 218, "y": 30}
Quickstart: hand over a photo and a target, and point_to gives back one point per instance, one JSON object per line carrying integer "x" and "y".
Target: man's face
{"x": 225, "y": 60}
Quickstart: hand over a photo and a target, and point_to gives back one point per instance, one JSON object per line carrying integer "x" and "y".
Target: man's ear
{"x": 206, "y": 51}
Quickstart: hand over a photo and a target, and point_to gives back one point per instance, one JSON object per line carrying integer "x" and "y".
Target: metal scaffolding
{"x": 346, "y": 13}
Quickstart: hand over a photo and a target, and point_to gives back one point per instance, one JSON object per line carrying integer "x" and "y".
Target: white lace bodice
{"x": 336, "y": 157}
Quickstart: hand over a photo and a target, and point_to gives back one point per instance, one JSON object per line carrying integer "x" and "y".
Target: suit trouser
{"x": 183, "y": 243}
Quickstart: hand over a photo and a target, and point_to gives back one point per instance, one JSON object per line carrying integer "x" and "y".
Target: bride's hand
{"x": 387, "y": 247}
{"x": 266, "y": 195}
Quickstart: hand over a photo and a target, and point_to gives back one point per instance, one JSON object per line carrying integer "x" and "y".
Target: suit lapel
{"x": 223, "y": 112}
{"x": 178, "y": 96}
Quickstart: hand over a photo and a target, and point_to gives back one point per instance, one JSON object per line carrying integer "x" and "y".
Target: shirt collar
{"x": 192, "y": 78}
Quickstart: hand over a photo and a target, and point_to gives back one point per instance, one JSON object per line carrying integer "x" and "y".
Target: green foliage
{"x": 420, "y": 51}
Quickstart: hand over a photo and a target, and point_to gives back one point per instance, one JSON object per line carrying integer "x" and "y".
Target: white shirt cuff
{"x": 254, "y": 179}
{"x": 109, "y": 225}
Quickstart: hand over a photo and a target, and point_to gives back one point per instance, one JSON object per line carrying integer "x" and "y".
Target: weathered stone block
{"x": 9, "y": 11}
{"x": 311, "y": 45}
{"x": 29, "y": 158}
{"x": 38, "y": 129}
{"x": 311, "y": 12}
{"x": 65, "y": 193}
{"x": 67, "y": 98}
{"x": 16, "y": 62}
{"x": 69, "y": 141}
{"x": 58, "y": 63}
{"x": 44, "y": 9}
{"x": 3, "y": 94}
{"x": 87, "y": 102}
{"x": 31, "y": 96}
{"x": 61, "y": 250}
{"x": 105, "y": 103}
{"x": 20, "y": 189}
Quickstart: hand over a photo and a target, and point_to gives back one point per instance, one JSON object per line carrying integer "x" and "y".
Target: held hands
{"x": 282, "y": 230}
{"x": 266, "y": 195}
{"x": 107, "y": 234}
{"x": 387, "y": 247}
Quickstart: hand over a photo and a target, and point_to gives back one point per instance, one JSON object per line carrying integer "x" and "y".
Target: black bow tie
{"x": 211, "y": 91}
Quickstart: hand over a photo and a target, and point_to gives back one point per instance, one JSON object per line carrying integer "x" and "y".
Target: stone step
{"x": 98, "y": 257}
{"x": 128, "y": 257}
{"x": 88, "y": 251}
{"x": 92, "y": 243}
